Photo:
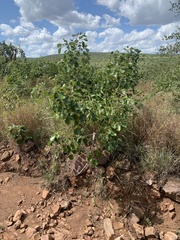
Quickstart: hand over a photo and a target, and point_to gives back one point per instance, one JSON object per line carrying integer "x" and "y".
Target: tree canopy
{"x": 10, "y": 52}
{"x": 172, "y": 48}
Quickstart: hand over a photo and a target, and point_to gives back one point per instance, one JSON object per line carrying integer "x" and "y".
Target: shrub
{"x": 84, "y": 96}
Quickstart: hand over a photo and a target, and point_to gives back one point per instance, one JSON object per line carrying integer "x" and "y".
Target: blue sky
{"x": 39, "y": 25}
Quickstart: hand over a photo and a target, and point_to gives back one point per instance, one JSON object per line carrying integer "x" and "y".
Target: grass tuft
{"x": 34, "y": 117}
{"x": 153, "y": 136}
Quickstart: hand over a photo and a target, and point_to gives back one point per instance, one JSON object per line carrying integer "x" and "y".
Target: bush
{"x": 84, "y": 96}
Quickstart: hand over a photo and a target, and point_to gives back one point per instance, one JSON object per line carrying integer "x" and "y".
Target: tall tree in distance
{"x": 172, "y": 48}
{"x": 10, "y": 52}
{"x": 176, "y": 7}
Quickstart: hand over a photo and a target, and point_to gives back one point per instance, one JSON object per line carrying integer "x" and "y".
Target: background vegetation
{"x": 125, "y": 103}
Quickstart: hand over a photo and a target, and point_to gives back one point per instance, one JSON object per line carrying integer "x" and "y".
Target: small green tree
{"x": 95, "y": 102}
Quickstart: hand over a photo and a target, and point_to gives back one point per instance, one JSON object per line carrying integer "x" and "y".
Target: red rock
{"x": 45, "y": 194}
{"x": 30, "y": 231}
{"x": 5, "y": 156}
{"x": 172, "y": 189}
{"x": 65, "y": 205}
{"x": 171, "y": 207}
{"x": 56, "y": 209}
{"x": 109, "y": 172}
{"x": 17, "y": 158}
{"x": 18, "y": 215}
{"x": 46, "y": 237}
{"x": 170, "y": 236}
{"x": 108, "y": 229}
{"x": 133, "y": 219}
{"x": 139, "y": 230}
{"x": 150, "y": 232}
{"x": 118, "y": 225}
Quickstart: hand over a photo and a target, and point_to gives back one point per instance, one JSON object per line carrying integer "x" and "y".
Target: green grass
{"x": 152, "y": 66}
{"x": 98, "y": 59}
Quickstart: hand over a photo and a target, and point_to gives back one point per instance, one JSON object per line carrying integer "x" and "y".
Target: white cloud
{"x": 105, "y": 32}
{"x": 150, "y": 12}
{"x": 75, "y": 19}
{"x": 61, "y": 32}
{"x": 35, "y": 10}
{"x": 6, "y": 30}
{"x": 142, "y": 12}
{"x": 111, "y": 4}
{"x": 135, "y": 36}
{"x": 168, "y": 28}
{"x": 11, "y": 40}
{"x": 39, "y": 42}
{"x": 60, "y": 13}
{"x": 20, "y": 31}
{"x": 13, "y": 21}
{"x": 38, "y": 35}
{"x": 92, "y": 38}
{"x": 111, "y": 33}
{"x": 40, "y": 49}
{"x": 27, "y": 25}
{"x": 110, "y": 21}
{"x": 147, "y": 41}
{"x": 112, "y": 39}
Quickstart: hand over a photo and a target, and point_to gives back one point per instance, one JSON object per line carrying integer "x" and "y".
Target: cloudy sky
{"x": 39, "y": 25}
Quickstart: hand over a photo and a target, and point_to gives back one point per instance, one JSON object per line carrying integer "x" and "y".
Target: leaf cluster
{"x": 27, "y": 78}
{"x": 19, "y": 133}
{"x": 96, "y": 102}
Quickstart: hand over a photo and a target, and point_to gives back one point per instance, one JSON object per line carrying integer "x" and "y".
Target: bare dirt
{"x": 114, "y": 201}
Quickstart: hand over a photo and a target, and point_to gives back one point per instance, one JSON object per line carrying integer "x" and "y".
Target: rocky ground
{"x": 112, "y": 201}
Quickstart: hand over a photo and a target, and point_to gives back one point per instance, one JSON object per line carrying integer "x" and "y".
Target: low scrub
{"x": 27, "y": 121}
{"x": 160, "y": 160}
{"x": 76, "y": 106}
{"x": 153, "y": 136}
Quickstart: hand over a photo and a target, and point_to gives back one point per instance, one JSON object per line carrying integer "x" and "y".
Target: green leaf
{"x": 71, "y": 156}
{"x": 77, "y": 131}
{"x": 95, "y": 99}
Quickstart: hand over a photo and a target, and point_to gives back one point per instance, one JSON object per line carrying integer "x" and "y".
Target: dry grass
{"x": 2, "y": 127}
{"x": 153, "y": 136}
{"x": 157, "y": 127}
{"x": 37, "y": 118}
{"x": 33, "y": 116}
{"x": 162, "y": 161}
